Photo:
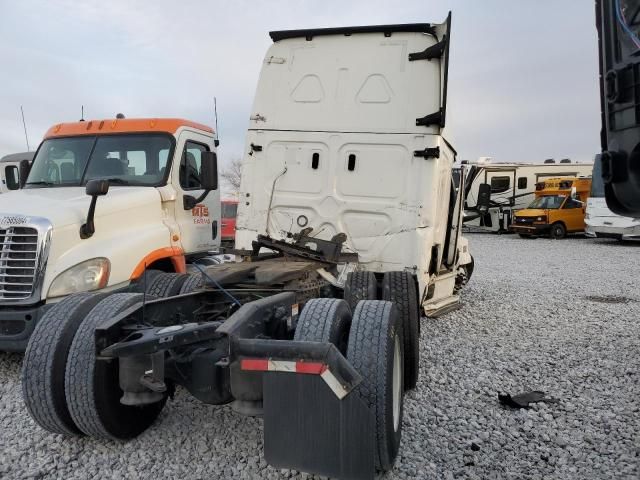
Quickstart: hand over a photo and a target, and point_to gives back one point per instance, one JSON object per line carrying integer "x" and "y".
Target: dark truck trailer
{"x": 618, "y": 24}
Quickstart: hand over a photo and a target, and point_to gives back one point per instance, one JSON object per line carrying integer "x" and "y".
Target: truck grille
{"x": 525, "y": 220}
{"x": 18, "y": 262}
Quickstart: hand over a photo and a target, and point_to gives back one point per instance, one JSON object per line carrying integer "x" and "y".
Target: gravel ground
{"x": 557, "y": 316}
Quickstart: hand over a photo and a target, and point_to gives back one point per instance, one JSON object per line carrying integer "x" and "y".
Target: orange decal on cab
{"x": 200, "y": 215}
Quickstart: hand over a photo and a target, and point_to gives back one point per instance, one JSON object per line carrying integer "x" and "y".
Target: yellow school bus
{"x": 558, "y": 208}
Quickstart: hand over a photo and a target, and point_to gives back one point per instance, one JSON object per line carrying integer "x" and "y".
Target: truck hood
{"x": 69, "y": 205}
{"x": 532, "y": 212}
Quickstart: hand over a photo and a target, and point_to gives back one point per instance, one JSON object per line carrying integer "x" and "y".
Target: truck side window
{"x": 500, "y": 184}
{"x": 571, "y": 203}
{"x": 12, "y": 176}
{"x": 229, "y": 210}
{"x": 190, "y": 165}
{"x": 522, "y": 183}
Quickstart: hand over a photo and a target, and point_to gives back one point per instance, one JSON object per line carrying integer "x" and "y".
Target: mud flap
{"x": 308, "y": 428}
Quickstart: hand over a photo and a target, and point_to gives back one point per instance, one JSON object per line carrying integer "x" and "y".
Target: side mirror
{"x": 95, "y": 189}
{"x": 208, "y": 179}
{"x": 24, "y": 169}
{"x": 12, "y": 177}
{"x": 484, "y": 198}
{"x": 209, "y": 171}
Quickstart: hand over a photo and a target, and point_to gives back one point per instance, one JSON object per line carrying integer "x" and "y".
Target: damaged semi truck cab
{"x": 345, "y": 136}
{"x": 348, "y": 223}
{"x": 60, "y": 235}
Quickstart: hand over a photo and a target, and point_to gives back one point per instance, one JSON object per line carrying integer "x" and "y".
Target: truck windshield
{"x": 548, "y": 202}
{"x": 131, "y": 159}
{"x": 597, "y": 184}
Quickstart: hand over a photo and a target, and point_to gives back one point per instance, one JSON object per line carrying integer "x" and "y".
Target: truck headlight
{"x": 541, "y": 219}
{"x": 84, "y": 277}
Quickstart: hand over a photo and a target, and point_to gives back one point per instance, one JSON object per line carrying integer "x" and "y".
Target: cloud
{"x": 523, "y": 76}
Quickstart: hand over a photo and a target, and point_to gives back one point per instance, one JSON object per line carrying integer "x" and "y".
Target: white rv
{"x": 512, "y": 187}
{"x": 10, "y": 170}
{"x": 600, "y": 221}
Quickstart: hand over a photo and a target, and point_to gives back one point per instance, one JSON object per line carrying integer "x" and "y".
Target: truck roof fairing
{"x": 377, "y": 67}
{"x": 428, "y": 28}
{"x": 122, "y": 125}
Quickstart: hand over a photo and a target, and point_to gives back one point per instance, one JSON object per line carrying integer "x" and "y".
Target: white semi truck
{"x": 348, "y": 226}
{"x": 57, "y": 240}
{"x": 340, "y": 142}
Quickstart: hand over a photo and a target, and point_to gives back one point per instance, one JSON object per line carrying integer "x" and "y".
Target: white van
{"x": 600, "y": 221}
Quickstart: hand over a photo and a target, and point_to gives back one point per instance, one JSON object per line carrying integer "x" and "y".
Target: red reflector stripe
{"x": 254, "y": 364}
{"x": 267, "y": 365}
{"x": 310, "y": 368}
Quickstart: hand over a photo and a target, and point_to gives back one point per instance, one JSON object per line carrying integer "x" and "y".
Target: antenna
{"x": 82, "y": 113}
{"x": 215, "y": 112}
{"x": 24, "y": 124}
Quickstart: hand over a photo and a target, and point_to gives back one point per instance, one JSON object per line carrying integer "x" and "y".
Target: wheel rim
{"x": 558, "y": 231}
{"x": 397, "y": 383}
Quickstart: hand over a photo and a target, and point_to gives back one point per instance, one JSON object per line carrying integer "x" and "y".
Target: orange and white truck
{"x": 56, "y": 239}
{"x": 558, "y": 209}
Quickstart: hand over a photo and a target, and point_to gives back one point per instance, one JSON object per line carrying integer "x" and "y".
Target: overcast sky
{"x": 523, "y": 82}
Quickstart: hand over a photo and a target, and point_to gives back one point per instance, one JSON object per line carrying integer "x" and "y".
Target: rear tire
{"x": 558, "y": 231}
{"x": 43, "y": 367}
{"x": 470, "y": 267}
{"x": 325, "y": 320}
{"x": 146, "y": 279}
{"x": 92, "y": 387}
{"x": 375, "y": 351}
{"x": 193, "y": 283}
{"x": 400, "y": 288}
{"x": 166, "y": 284}
{"x": 360, "y": 286}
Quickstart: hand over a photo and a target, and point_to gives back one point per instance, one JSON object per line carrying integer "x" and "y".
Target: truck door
{"x": 454, "y": 223}
{"x": 199, "y": 226}
{"x": 573, "y": 215}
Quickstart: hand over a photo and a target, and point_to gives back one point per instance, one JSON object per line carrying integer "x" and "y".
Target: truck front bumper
{"x": 17, "y": 325}
{"x": 530, "y": 229}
